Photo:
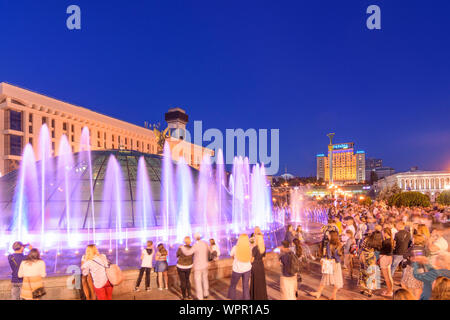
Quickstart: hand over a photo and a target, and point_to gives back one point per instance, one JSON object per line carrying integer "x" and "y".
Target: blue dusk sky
{"x": 304, "y": 67}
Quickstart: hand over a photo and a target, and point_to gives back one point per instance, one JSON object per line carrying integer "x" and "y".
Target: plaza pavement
{"x": 310, "y": 282}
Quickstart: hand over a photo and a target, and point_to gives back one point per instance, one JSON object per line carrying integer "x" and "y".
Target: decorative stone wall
{"x": 61, "y": 287}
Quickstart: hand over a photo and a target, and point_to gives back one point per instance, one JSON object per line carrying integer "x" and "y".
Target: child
{"x": 373, "y": 276}
{"x": 349, "y": 251}
{"x": 146, "y": 266}
{"x": 162, "y": 266}
{"x": 215, "y": 251}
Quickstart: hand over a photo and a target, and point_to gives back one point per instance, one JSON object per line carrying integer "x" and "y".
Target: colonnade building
{"x": 431, "y": 183}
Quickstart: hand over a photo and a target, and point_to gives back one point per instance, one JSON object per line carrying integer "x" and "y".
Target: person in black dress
{"x": 258, "y": 289}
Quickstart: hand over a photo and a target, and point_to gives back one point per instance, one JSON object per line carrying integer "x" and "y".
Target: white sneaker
{"x": 136, "y": 289}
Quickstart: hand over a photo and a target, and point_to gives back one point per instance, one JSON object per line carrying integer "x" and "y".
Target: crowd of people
{"x": 369, "y": 244}
{"x": 381, "y": 240}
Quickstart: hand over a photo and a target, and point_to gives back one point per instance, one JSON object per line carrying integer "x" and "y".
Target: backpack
{"x": 354, "y": 249}
{"x": 114, "y": 274}
{"x": 212, "y": 255}
{"x": 294, "y": 264}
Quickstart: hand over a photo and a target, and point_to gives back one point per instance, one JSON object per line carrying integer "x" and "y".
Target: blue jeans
{"x": 396, "y": 259}
{"x": 377, "y": 254}
{"x": 15, "y": 291}
{"x": 245, "y": 285}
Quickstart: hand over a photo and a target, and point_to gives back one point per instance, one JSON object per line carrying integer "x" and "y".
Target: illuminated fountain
{"x": 119, "y": 199}
{"x": 306, "y": 214}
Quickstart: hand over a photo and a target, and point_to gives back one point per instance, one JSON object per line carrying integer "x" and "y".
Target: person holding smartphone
{"x": 15, "y": 260}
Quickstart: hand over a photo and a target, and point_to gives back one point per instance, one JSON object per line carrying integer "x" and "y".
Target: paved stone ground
{"x": 310, "y": 282}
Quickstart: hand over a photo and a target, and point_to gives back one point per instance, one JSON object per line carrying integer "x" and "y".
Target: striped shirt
{"x": 97, "y": 268}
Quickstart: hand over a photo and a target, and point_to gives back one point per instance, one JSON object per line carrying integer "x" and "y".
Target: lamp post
{"x": 330, "y": 156}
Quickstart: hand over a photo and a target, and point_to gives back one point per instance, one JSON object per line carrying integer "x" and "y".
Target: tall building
{"x": 177, "y": 119}
{"x": 23, "y": 112}
{"x": 347, "y": 166}
{"x": 372, "y": 163}
{"x": 375, "y": 170}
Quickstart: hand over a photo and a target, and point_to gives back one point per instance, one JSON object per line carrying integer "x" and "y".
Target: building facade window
{"x": 15, "y": 145}
{"x": 15, "y": 120}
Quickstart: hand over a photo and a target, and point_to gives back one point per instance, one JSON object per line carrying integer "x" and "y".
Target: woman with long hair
{"x": 290, "y": 235}
{"x": 87, "y": 284}
{"x": 408, "y": 281}
{"x": 306, "y": 251}
{"x": 161, "y": 267}
{"x": 184, "y": 265}
{"x": 369, "y": 247}
{"x": 403, "y": 294}
{"x": 242, "y": 255}
{"x": 331, "y": 266}
{"x": 441, "y": 289}
{"x": 349, "y": 245}
{"x": 32, "y": 270}
{"x": 298, "y": 251}
{"x": 96, "y": 264}
{"x": 424, "y": 231}
{"x": 215, "y": 250}
{"x": 257, "y": 231}
{"x": 258, "y": 289}
{"x": 386, "y": 261}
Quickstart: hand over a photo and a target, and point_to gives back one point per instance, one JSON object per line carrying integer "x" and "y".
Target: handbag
{"x": 37, "y": 293}
{"x": 327, "y": 266}
{"x": 113, "y": 273}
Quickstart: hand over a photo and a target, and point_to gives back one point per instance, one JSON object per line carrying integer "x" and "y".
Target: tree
{"x": 444, "y": 198}
{"x": 366, "y": 201}
{"x": 388, "y": 192}
{"x": 409, "y": 199}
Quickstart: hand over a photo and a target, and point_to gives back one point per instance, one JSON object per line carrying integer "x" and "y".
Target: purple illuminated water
{"x": 186, "y": 201}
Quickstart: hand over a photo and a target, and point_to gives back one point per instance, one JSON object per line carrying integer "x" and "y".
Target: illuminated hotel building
{"x": 348, "y": 166}
{"x": 23, "y": 112}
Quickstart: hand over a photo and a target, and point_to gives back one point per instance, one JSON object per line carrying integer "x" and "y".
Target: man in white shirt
{"x": 201, "y": 262}
{"x": 437, "y": 242}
